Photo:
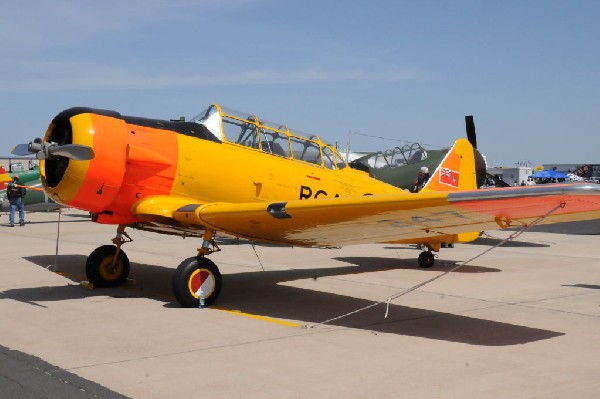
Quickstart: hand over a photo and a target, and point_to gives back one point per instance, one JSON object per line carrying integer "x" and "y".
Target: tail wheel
{"x": 100, "y": 270}
{"x": 192, "y": 274}
{"x": 426, "y": 259}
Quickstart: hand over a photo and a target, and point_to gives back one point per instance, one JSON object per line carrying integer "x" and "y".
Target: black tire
{"x": 99, "y": 269}
{"x": 426, "y": 259}
{"x": 187, "y": 279}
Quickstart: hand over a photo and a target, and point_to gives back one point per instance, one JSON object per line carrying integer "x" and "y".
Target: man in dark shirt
{"x": 15, "y": 193}
{"x": 422, "y": 179}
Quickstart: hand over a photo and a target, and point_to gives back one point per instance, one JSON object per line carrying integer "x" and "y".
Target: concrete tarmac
{"x": 521, "y": 321}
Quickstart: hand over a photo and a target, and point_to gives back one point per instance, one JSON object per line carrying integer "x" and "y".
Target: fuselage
{"x": 218, "y": 157}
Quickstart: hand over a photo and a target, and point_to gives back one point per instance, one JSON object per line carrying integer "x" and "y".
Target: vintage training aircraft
{"x": 233, "y": 173}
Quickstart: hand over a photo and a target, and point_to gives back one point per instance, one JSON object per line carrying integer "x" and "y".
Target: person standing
{"x": 15, "y": 194}
{"x": 422, "y": 179}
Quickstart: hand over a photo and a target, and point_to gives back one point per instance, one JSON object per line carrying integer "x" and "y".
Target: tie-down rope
{"x": 458, "y": 265}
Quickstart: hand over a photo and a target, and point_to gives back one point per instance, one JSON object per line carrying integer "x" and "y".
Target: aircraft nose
{"x": 85, "y": 167}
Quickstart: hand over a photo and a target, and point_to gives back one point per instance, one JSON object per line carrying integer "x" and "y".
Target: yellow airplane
{"x": 225, "y": 172}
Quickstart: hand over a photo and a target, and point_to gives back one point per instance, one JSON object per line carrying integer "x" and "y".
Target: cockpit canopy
{"x": 399, "y": 156}
{"x": 274, "y": 138}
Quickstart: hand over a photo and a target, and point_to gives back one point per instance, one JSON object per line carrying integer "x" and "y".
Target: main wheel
{"x": 192, "y": 274}
{"x": 100, "y": 270}
{"x": 426, "y": 259}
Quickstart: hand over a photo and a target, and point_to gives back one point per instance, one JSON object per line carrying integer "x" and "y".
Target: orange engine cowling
{"x": 90, "y": 185}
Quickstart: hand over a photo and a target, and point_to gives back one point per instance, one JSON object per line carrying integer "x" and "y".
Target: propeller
{"x": 45, "y": 150}
{"x": 471, "y": 136}
{"x": 480, "y": 165}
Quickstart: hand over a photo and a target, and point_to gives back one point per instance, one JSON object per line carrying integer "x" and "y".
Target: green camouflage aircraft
{"x": 401, "y": 166}
{"x": 35, "y": 198}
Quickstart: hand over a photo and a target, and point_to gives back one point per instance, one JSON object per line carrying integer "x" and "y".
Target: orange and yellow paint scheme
{"x": 5, "y": 178}
{"x": 233, "y": 173}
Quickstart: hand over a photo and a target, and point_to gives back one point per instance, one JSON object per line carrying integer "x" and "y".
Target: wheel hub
{"x": 201, "y": 278}
{"x": 108, "y": 271}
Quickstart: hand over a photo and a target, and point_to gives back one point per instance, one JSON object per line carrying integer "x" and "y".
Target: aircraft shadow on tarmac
{"x": 588, "y": 286}
{"x": 406, "y": 264}
{"x": 262, "y": 293}
{"x": 491, "y": 241}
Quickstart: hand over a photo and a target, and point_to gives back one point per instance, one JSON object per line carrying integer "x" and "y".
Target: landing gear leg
{"x": 108, "y": 265}
{"x": 198, "y": 273}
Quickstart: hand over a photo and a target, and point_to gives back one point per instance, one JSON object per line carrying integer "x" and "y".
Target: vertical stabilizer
{"x": 457, "y": 170}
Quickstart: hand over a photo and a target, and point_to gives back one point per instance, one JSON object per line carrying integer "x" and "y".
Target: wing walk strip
{"x": 422, "y": 284}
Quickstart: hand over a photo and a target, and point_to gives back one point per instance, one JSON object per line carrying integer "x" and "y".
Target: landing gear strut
{"x": 197, "y": 275}
{"x": 108, "y": 266}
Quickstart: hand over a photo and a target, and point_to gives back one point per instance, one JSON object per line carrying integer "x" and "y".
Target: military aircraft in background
{"x": 17, "y": 168}
{"x": 229, "y": 173}
{"x": 36, "y": 199}
{"x": 400, "y": 166}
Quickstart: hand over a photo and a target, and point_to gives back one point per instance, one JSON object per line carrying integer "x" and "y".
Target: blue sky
{"x": 529, "y": 71}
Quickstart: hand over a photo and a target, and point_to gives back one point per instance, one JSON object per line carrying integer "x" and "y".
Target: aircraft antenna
{"x": 348, "y": 147}
{"x": 257, "y": 257}
{"x": 55, "y": 267}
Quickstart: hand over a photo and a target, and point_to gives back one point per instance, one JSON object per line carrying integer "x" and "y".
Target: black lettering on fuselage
{"x": 305, "y": 192}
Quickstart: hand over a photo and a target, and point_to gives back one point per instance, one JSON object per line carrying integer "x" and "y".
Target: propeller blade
{"x": 72, "y": 151}
{"x": 20, "y": 150}
{"x": 480, "y": 165}
{"x": 471, "y": 136}
{"x": 45, "y": 150}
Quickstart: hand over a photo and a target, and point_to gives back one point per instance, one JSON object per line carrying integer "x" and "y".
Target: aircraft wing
{"x": 383, "y": 218}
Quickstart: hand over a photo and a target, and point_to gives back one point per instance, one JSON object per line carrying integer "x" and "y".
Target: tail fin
{"x": 457, "y": 170}
{"x": 4, "y": 178}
